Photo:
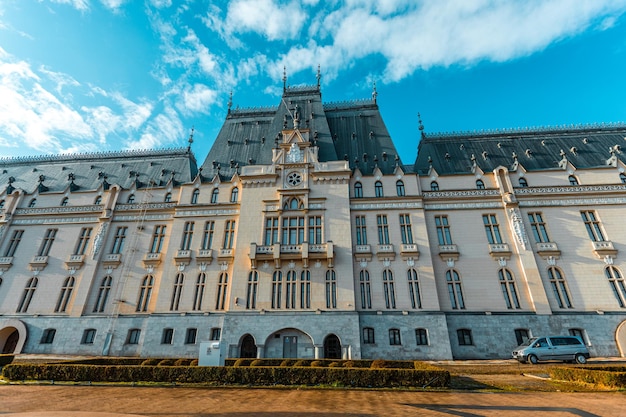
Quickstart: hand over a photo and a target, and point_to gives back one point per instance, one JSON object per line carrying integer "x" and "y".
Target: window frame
{"x": 395, "y": 337}
{"x": 464, "y": 337}
{"x": 421, "y": 337}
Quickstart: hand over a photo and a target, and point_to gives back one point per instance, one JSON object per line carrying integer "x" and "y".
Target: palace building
{"x": 303, "y": 234}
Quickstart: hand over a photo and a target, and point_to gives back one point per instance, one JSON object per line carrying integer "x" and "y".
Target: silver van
{"x": 560, "y": 348}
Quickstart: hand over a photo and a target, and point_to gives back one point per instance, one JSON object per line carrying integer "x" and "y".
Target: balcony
{"x": 409, "y": 251}
{"x": 604, "y": 248}
{"x": 112, "y": 260}
{"x": 204, "y": 256}
{"x": 38, "y": 263}
{"x": 385, "y": 251}
{"x": 548, "y": 249}
{"x": 449, "y": 252}
{"x": 302, "y": 251}
{"x": 6, "y": 262}
{"x": 500, "y": 250}
{"x": 182, "y": 257}
{"x": 225, "y": 255}
{"x": 150, "y": 259}
{"x": 75, "y": 261}
{"x": 363, "y": 253}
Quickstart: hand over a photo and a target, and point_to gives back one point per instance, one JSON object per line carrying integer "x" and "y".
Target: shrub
{"x": 256, "y": 362}
{"x": 151, "y": 362}
{"x": 242, "y": 362}
{"x": 611, "y": 376}
{"x": 348, "y": 364}
{"x": 6, "y": 359}
{"x": 194, "y": 362}
{"x": 334, "y": 364}
{"x": 301, "y": 363}
{"x": 182, "y": 362}
{"x": 318, "y": 364}
{"x": 166, "y": 362}
{"x": 286, "y": 362}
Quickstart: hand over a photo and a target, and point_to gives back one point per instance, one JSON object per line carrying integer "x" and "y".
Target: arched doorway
{"x": 248, "y": 347}
{"x": 332, "y": 347}
{"x": 11, "y": 342}
{"x": 13, "y": 334}
{"x": 620, "y": 338}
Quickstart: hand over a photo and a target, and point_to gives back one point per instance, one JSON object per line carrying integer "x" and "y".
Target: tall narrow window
{"x": 185, "y": 244}
{"x": 253, "y": 283}
{"x": 366, "y": 291}
{"x": 465, "y": 337}
{"x": 305, "y": 289}
{"x": 234, "y": 195}
{"x": 480, "y": 185}
{"x": 48, "y": 336}
{"x": 177, "y": 291}
{"x": 198, "y": 293}
{"x": 277, "y": 289}
{"x": 509, "y": 292}
{"x": 559, "y": 288}
{"x": 522, "y": 182}
{"x": 214, "y": 195}
{"x": 271, "y": 231}
{"x": 368, "y": 335}
{"x": 492, "y": 229}
{"x": 434, "y": 186}
{"x": 207, "y": 235}
{"x": 131, "y": 199}
{"x": 194, "y": 196}
{"x": 521, "y": 336}
{"x": 315, "y": 230}
{"x": 405, "y": 229}
{"x": 83, "y": 241}
{"x": 361, "y": 230}
{"x": 455, "y": 291}
{"x": 103, "y": 294}
{"x": 383, "y": 229}
{"x": 222, "y": 289}
{"x": 89, "y": 336}
{"x": 443, "y": 230}
{"x": 293, "y": 230}
{"x": 394, "y": 337}
{"x": 331, "y": 289}
{"x": 27, "y": 296}
{"x": 118, "y": 242}
{"x": 617, "y": 284}
{"x": 400, "y": 188}
{"x": 414, "y": 288}
{"x": 16, "y": 238}
{"x": 168, "y": 336}
{"x": 592, "y": 224}
{"x": 572, "y": 180}
{"x": 157, "y": 239}
{"x": 145, "y": 292}
{"x": 65, "y": 295}
{"x": 191, "y": 335}
{"x": 290, "y": 290}
{"x": 538, "y": 227}
{"x": 48, "y": 240}
{"x": 229, "y": 234}
{"x": 358, "y": 190}
{"x": 133, "y": 336}
{"x": 378, "y": 189}
{"x": 389, "y": 289}
{"x": 421, "y": 337}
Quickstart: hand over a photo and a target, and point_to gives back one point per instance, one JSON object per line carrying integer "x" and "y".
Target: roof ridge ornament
{"x": 374, "y": 93}
{"x": 284, "y": 78}
{"x": 190, "y": 140}
{"x": 318, "y": 77}
{"x": 420, "y": 125}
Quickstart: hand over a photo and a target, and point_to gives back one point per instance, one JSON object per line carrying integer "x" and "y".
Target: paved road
{"x": 99, "y": 401}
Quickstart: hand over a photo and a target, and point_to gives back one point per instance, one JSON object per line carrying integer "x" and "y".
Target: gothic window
{"x": 158, "y": 237}
{"x": 64, "y": 201}
{"x": 509, "y": 291}
{"x": 32, "y": 203}
{"x": 83, "y": 241}
{"x": 185, "y": 244}
{"x": 400, "y": 188}
{"x": 229, "y": 234}
{"x": 522, "y": 182}
{"x": 198, "y": 293}
{"x": 492, "y": 229}
{"x": 480, "y": 185}
{"x": 176, "y": 292}
{"x": 290, "y": 290}
{"x": 207, "y": 235}
{"x": 131, "y": 199}
{"x": 277, "y": 289}
{"x": 331, "y": 289}
{"x": 538, "y": 227}
{"x": 358, "y": 190}
{"x": 214, "y": 195}
{"x": 251, "y": 294}
{"x": 145, "y": 292}
{"x": 234, "y": 195}
{"x": 622, "y": 177}
{"x": 98, "y": 200}
{"x": 455, "y": 291}
{"x": 366, "y": 291}
{"x": 378, "y": 189}
{"x": 65, "y": 295}
{"x": 168, "y": 198}
{"x": 315, "y": 230}
{"x": 103, "y": 294}
{"x": 572, "y": 180}
{"x": 414, "y": 289}
{"x": 559, "y": 288}
{"x": 361, "y": 231}
{"x": 27, "y": 296}
{"x": 383, "y": 229}
{"x": 305, "y": 289}
{"x": 405, "y": 229}
{"x": 389, "y": 289}
{"x": 194, "y": 196}
{"x": 48, "y": 240}
{"x": 617, "y": 284}
{"x": 434, "y": 186}
{"x": 222, "y": 289}
{"x": 592, "y": 224}
{"x": 271, "y": 231}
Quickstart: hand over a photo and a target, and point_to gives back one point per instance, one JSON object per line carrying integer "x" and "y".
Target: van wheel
{"x": 580, "y": 358}
{"x": 533, "y": 359}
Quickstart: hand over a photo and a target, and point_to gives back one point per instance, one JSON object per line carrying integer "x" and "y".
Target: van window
{"x": 541, "y": 342}
{"x": 564, "y": 341}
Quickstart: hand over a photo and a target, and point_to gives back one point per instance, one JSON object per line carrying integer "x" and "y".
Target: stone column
{"x": 260, "y": 351}
{"x": 319, "y": 351}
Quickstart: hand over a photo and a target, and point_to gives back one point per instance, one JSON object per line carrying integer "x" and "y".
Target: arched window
{"x": 177, "y": 291}
{"x": 394, "y": 337}
{"x": 27, "y": 296}
{"x": 389, "y": 289}
{"x": 198, "y": 293}
{"x": 131, "y": 199}
{"x": 103, "y": 294}
{"x": 480, "y": 185}
{"x": 358, "y": 190}
{"x": 277, "y": 289}
{"x": 253, "y": 283}
{"x": 368, "y": 335}
{"x": 617, "y": 284}
{"x": 214, "y": 195}
{"x": 222, "y": 289}
{"x": 293, "y": 204}
{"x": 366, "y": 291}
{"x": 421, "y": 337}
{"x": 168, "y": 198}
{"x": 331, "y": 289}
{"x": 465, "y": 337}
{"x": 290, "y": 290}
{"x": 455, "y": 291}
{"x": 194, "y": 196}
{"x": 305, "y": 289}
{"x": 572, "y": 180}
{"x": 98, "y": 200}
{"x": 64, "y": 201}
{"x": 414, "y": 288}
{"x": 234, "y": 195}
{"x": 65, "y": 295}
{"x": 32, "y": 203}
{"x": 434, "y": 186}
{"x": 522, "y": 182}
{"x": 133, "y": 336}
{"x": 559, "y": 288}
{"x": 509, "y": 292}
{"x": 622, "y": 177}
{"x": 378, "y": 189}
{"x": 145, "y": 291}
{"x": 400, "y": 188}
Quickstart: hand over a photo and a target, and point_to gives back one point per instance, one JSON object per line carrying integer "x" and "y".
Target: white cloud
{"x": 161, "y": 3}
{"x": 269, "y": 18}
{"x": 113, "y": 4}
{"x": 165, "y": 129}
{"x": 77, "y": 4}
{"x": 198, "y": 98}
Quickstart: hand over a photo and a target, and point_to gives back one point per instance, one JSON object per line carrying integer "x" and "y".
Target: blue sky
{"x": 101, "y": 75}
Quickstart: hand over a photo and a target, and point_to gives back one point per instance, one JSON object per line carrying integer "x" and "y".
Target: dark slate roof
{"x": 539, "y": 149}
{"x": 347, "y": 130}
{"x": 88, "y": 171}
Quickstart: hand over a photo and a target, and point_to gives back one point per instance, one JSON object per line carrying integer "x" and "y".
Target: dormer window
{"x": 358, "y": 190}
{"x": 168, "y": 198}
{"x": 622, "y": 178}
{"x": 480, "y": 185}
{"x": 573, "y": 180}
{"x": 234, "y": 195}
{"x": 214, "y": 195}
{"x": 131, "y": 199}
{"x": 194, "y": 196}
{"x": 522, "y": 182}
{"x": 98, "y": 200}
{"x": 32, "y": 203}
{"x": 378, "y": 189}
{"x": 64, "y": 201}
{"x": 293, "y": 204}
{"x": 434, "y": 186}
{"x": 400, "y": 188}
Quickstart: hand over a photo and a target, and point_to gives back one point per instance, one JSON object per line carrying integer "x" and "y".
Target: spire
{"x": 284, "y": 79}
{"x": 421, "y": 126}
{"x": 230, "y": 101}
{"x": 374, "y": 93}
{"x": 318, "y": 76}
{"x": 190, "y": 140}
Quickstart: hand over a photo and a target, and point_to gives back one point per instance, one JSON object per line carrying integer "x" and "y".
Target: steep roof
{"x": 349, "y": 130}
{"x": 539, "y": 149}
{"x": 89, "y": 171}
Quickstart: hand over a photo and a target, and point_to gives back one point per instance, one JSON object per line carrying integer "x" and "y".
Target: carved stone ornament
{"x": 410, "y": 262}
{"x": 518, "y": 227}
{"x": 502, "y": 261}
{"x": 551, "y": 260}
{"x": 97, "y": 243}
{"x": 295, "y": 154}
{"x": 363, "y": 263}
{"x": 450, "y": 262}
{"x": 608, "y": 259}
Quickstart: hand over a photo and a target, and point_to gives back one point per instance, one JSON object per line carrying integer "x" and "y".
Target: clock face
{"x": 294, "y": 178}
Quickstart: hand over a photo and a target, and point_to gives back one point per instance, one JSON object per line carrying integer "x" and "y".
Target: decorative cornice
{"x": 463, "y": 206}
{"x": 384, "y": 206}
{"x": 146, "y": 217}
{"x": 59, "y": 210}
{"x": 336, "y": 105}
{"x": 145, "y": 206}
{"x": 55, "y": 220}
{"x": 573, "y": 202}
{"x": 460, "y": 193}
{"x": 95, "y": 156}
{"x": 212, "y": 212}
{"x": 571, "y": 189}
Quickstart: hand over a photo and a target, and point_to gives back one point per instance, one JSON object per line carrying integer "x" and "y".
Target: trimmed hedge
{"x": 260, "y": 375}
{"x": 350, "y": 363}
{"x": 6, "y": 359}
{"x": 610, "y": 376}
